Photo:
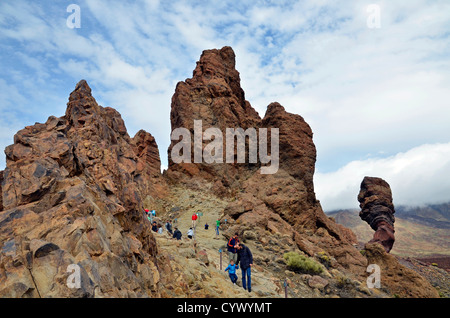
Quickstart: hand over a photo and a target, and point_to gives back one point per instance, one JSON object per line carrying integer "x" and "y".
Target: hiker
{"x": 217, "y": 227}
{"x": 154, "y": 227}
{"x": 177, "y": 234}
{"x": 232, "y": 251}
{"x": 169, "y": 227}
{"x": 153, "y": 213}
{"x": 231, "y": 268}
{"x": 206, "y": 225}
{"x": 147, "y": 213}
{"x": 194, "y": 219}
{"x": 245, "y": 259}
{"x": 190, "y": 233}
{"x": 160, "y": 229}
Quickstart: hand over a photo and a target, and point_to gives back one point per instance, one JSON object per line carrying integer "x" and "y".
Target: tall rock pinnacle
{"x": 377, "y": 209}
{"x": 297, "y": 149}
{"x": 213, "y": 96}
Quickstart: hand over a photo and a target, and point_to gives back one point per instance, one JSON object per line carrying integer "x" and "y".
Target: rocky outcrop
{"x": 281, "y": 203}
{"x": 149, "y": 162}
{"x": 72, "y": 195}
{"x": 297, "y": 149}
{"x": 397, "y": 279}
{"x": 377, "y": 209}
{"x": 214, "y": 96}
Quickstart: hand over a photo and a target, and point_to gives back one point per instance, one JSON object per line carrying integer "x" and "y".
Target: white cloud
{"x": 420, "y": 175}
{"x": 361, "y": 90}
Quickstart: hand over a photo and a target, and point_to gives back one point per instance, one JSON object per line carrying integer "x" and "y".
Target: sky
{"x": 372, "y": 78}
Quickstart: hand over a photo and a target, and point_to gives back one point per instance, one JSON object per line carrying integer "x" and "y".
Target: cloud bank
{"x": 418, "y": 176}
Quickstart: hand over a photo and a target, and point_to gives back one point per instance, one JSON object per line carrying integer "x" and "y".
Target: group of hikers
{"x": 157, "y": 227}
{"x": 239, "y": 255}
{"x": 194, "y": 223}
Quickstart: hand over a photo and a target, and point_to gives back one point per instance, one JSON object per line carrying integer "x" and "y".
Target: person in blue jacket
{"x": 231, "y": 268}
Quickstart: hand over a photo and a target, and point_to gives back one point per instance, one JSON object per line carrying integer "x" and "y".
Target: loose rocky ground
{"x": 200, "y": 257}
{"x": 438, "y": 261}
{"x": 197, "y": 262}
{"x": 434, "y": 272}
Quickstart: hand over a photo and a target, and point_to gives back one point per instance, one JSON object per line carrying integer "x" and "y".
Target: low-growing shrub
{"x": 301, "y": 263}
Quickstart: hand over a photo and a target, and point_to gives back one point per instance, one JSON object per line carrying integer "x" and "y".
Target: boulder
{"x": 317, "y": 282}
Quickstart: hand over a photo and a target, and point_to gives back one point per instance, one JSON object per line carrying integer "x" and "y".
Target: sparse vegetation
{"x": 301, "y": 263}
{"x": 342, "y": 281}
{"x": 324, "y": 259}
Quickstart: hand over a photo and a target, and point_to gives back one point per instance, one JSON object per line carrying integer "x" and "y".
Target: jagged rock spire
{"x": 77, "y": 184}
{"x": 82, "y": 106}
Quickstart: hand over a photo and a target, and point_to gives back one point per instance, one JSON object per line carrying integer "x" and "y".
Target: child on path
{"x": 231, "y": 268}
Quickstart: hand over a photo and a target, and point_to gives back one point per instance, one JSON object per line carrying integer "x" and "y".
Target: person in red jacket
{"x": 194, "y": 219}
{"x": 232, "y": 250}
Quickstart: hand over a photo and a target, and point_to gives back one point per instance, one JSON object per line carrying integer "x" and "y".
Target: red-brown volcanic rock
{"x": 377, "y": 209}
{"x": 72, "y": 194}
